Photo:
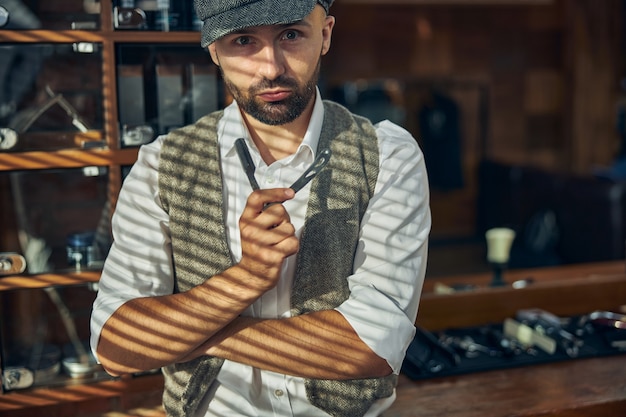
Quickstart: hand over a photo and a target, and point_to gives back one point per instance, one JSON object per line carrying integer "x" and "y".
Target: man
{"x": 268, "y": 302}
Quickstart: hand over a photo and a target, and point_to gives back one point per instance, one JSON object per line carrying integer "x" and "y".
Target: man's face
{"x": 279, "y": 111}
{"x": 272, "y": 71}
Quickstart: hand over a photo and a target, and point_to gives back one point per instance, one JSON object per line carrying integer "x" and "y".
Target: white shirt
{"x": 389, "y": 265}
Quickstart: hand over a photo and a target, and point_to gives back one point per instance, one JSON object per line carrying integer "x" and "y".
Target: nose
{"x": 272, "y": 62}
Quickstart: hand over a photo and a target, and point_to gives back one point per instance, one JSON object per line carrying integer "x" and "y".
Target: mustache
{"x": 280, "y": 81}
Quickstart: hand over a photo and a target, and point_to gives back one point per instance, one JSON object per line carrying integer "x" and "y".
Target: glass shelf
{"x": 57, "y": 218}
{"x": 46, "y": 345}
{"x": 161, "y": 87}
{"x": 40, "y": 111}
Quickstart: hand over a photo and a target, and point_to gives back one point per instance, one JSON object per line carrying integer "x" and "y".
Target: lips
{"x": 272, "y": 96}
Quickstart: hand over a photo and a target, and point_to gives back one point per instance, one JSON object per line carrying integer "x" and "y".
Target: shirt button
{"x": 279, "y": 393}
{"x": 270, "y": 180}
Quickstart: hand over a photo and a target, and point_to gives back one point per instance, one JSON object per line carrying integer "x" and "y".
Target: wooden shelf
{"x": 542, "y": 276}
{"x": 70, "y": 158}
{"x": 137, "y": 36}
{"x": 15, "y": 282}
{"x": 118, "y": 36}
{"x": 98, "y": 399}
{"x": 50, "y": 36}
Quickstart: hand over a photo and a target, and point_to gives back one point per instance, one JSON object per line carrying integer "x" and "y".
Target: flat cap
{"x": 222, "y": 17}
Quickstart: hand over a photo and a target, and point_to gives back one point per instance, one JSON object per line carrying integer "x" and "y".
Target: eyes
{"x": 289, "y": 35}
{"x": 243, "y": 40}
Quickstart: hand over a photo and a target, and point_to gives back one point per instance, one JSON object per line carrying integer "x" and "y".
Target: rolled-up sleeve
{"x": 139, "y": 262}
{"x": 390, "y": 262}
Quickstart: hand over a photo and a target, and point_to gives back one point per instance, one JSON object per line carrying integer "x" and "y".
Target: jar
{"x": 80, "y": 249}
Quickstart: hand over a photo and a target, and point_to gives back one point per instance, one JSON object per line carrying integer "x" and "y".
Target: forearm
{"x": 148, "y": 333}
{"x": 319, "y": 345}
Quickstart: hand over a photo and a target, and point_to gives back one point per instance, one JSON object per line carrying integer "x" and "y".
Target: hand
{"x": 267, "y": 235}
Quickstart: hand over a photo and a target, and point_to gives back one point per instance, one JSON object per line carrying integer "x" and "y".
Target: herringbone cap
{"x": 222, "y": 17}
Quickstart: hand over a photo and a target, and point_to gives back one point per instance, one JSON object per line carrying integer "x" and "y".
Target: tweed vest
{"x": 190, "y": 184}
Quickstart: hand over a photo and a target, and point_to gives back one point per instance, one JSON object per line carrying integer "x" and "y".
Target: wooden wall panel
{"x": 594, "y": 54}
{"x": 551, "y": 71}
{"x": 560, "y": 60}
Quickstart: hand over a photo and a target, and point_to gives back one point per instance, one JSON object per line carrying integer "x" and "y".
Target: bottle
{"x": 81, "y": 251}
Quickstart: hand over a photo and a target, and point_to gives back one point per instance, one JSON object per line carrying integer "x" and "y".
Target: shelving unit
{"x": 23, "y": 296}
{"x": 83, "y": 399}
{"x": 111, "y": 156}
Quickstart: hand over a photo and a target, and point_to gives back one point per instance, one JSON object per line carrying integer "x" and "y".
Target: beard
{"x": 278, "y": 112}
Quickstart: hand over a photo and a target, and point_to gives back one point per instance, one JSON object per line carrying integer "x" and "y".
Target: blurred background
{"x": 518, "y": 106}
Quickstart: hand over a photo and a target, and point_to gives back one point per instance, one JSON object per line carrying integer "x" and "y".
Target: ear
{"x": 327, "y": 32}
{"x": 213, "y": 53}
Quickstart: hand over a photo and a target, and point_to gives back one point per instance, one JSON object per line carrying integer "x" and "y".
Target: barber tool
{"x": 10, "y": 136}
{"x": 538, "y": 316}
{"x": 248, "y": 166}
{"x": 55, "y": 98}
{"x": 610, "y": 324}
{"x": 428, "y": 356}
{"x": 246, "y": 162}
{"x": 528, "y": 336}
{"x": 468, "y": 346}
{"x": 607, "y": 319}
{"x": 550, "y": 325}
{"x": 507, "y": 345}
{"x": 499, "y": 241}
{"x": 320, "y": 162}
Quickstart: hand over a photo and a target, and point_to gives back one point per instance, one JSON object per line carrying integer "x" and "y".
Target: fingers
{"x": 264, "y": 220}
{"x": 259, "y": 200}
{"x": 267, "y": 228}
{"x": 267, "y": 235}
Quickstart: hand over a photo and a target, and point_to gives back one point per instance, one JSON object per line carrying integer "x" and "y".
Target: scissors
{"x": 248, "y": 166}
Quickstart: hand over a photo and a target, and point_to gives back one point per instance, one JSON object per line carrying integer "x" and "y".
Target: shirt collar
{"x": 231, "y": 127}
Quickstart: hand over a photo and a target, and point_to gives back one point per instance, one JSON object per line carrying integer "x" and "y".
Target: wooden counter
{"x": 578, "y": 388}
{"x": 593, "y": 387}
